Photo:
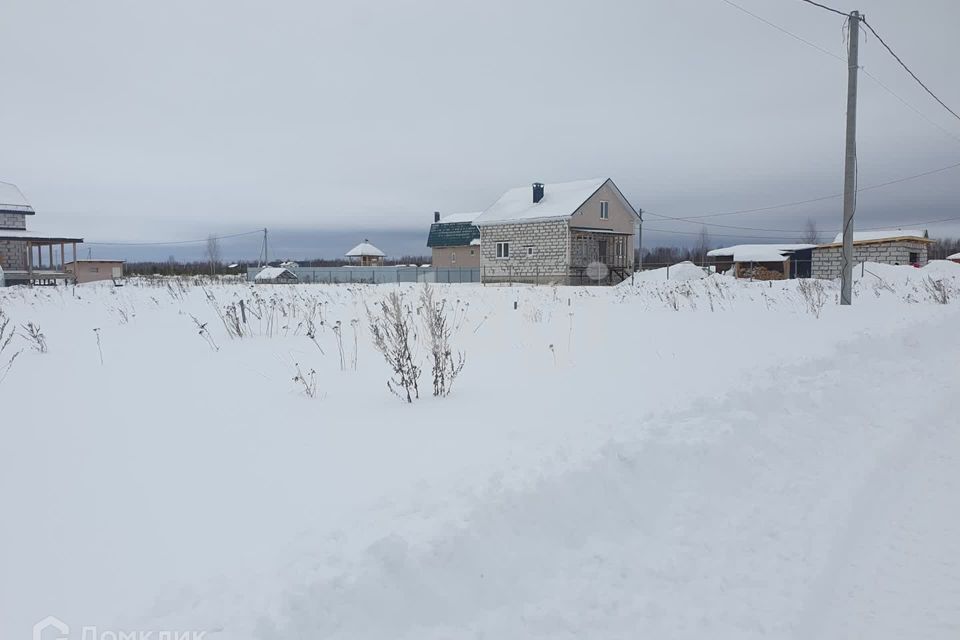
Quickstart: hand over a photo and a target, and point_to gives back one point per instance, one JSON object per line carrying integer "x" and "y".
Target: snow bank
{"x": 680, "y": 272}
{"x": 589, "y": 476}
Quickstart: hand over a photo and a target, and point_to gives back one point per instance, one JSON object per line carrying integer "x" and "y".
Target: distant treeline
{"x": 943, "y": 247}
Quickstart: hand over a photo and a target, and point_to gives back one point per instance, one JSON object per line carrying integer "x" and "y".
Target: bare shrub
{"x": 337, "y": 332}
{"x": 312, "y": 333}
{"x": 6, "y": 337}
{"x": 938, "y": 290}
{"x": 395, "y": 337}
{"x": 205, "y": 334}
{"x": 96, "y": 331}
{"x": 445, "y": 365}
{"x": 814, "y": 295}
{"x": 308, "y": 382}
{"x": 35, "y": 337}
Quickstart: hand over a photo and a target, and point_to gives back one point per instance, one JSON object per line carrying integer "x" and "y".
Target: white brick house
{"x": 886, "y": 247}
{"x": 567, "y": 233}
{"x": 25, "y": 256}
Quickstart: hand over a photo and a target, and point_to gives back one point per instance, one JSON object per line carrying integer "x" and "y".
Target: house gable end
{"x": 621, "y": 216}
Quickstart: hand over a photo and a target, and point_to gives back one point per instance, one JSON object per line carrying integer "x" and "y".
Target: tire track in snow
{"x": 740, "y": 518}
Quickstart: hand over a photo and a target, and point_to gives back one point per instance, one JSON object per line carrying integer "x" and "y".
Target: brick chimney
{"x": 537, "y": 192}
{"x": 436, "y": 216}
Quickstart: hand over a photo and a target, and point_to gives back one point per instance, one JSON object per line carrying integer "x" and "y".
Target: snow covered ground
{"x": 668, "y": 458}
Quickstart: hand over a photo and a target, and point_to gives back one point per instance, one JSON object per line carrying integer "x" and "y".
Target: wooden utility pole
{"x": 850, "y": 164}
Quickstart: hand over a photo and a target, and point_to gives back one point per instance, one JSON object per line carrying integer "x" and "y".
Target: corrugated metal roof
{"x": 452, "y": 234}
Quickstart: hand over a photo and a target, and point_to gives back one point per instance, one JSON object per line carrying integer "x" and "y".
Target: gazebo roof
{"x": 365, "y": 249}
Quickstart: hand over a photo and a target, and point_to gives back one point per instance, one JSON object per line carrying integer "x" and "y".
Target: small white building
{"x": 366, "y": 255}
{"x": 276, "y": 275}
{"x": 901, "y": 246}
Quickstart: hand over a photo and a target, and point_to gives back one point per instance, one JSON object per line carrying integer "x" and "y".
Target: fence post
{"x": 668, "y": 271}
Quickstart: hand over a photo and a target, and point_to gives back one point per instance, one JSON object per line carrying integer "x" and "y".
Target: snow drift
{"x": 684, "y": 459}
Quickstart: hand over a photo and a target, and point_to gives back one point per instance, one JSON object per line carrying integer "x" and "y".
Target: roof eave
{"x": 492, "y": 223}
{"x": 883, "y": 241}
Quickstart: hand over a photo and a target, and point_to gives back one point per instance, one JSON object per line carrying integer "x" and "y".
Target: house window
{"x": 604, "y": 210}
{"x": 914, "y": 257}
{"x": 503, "y": 249}
{"x": 471, "y": 251}
{"x": 529, "y": 249}
{"x": 453, "y": 257}
{"x": 94, "y": 269}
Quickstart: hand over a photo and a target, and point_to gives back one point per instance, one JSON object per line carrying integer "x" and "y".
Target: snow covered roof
{"x": 12, "y": 199}
{"x": 365, "y": 249}
{"x": 881, "y": 236}
{"x": 24, "y": 234}
{"x": 460, "y": 217}
{"x": 955, "y": 256}
{"x": 560, "y": 200}
{"x": 272, "y": 273}
{"x": 758, "y": 252}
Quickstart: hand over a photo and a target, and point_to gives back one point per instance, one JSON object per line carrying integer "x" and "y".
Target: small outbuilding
{"x": 366, "y": 255}
{"x": 954, "y": 258}
{"x": 906, "y": 247}
{"x": 763, "y": 261}
{"x": 276, "y": 275}
{"x": 95, "y": 270}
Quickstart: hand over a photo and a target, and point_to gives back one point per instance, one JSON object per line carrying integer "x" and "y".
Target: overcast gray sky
{"x": 128, "y": 120}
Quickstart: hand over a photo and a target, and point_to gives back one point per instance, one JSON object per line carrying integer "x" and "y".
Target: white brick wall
{"x": 828, "y": 261}
{"x": 13, "y": 254}
{"x": 551, "y": 252}
{"x": 13, "y": 221}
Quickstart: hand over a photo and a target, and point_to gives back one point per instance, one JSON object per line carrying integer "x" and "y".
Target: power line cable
{"x": 908, "y": 70}
{"x": 908, "y": 105}
{"x": 800, "y": 231}
{"x": 782, "y": 30}
{"x": 812, "y": 200}
{"x": 174, "y": 242}
{"x": 823, "y": 6}
{"x": 842, "y": 59}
